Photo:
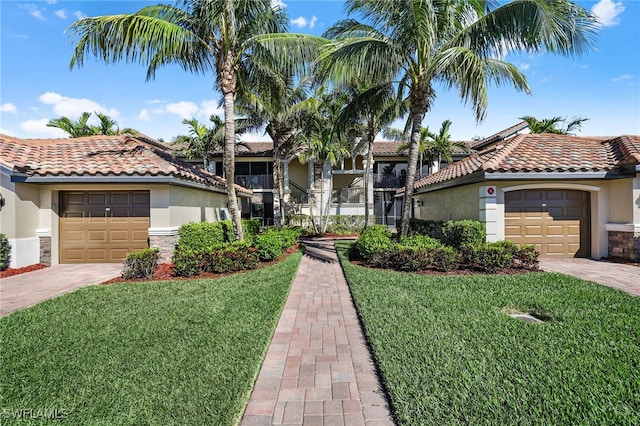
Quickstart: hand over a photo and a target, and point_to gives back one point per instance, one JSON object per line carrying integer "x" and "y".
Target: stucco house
{"x": 94, "y": 199}
{"x": 567, "y": 195}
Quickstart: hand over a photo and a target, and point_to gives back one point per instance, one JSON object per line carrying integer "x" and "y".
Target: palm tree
{"x": 74, "y": 128}
{"x": 201, "y": 141}
{"x": 435, "y": 148}
{"x": 202, "y": 36}
{"x": 80, "y": 127}
{"x": 416, "y": 43}
{"x": 551, "y": 125}
{"x": 323, "y": 145}
{"x": 375, "y": 108}
{"x": 277, "y": 108}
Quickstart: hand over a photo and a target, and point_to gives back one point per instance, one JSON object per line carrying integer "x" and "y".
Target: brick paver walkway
{"x": 318, "y": 369}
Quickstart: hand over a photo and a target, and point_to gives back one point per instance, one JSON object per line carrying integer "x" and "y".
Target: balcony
{"x": 348, "y": 196}
{"x": 255, "y": 181}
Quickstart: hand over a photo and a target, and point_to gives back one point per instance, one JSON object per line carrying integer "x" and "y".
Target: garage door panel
{"x": 89, "y": 232}
{"x": 557, "y": 222}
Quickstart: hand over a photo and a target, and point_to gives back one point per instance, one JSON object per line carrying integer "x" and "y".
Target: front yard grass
{"x": 172, "y": 352}
{"x": 449, "y": 353}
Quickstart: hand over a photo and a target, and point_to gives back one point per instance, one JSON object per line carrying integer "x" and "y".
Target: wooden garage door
{"x": 102, "y": 226}
{"x": 556, "y": 221}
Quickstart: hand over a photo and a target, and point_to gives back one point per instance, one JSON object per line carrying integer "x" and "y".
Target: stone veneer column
{"x": 44, "y": 235}
{"x": 489, "y": 211}
{"x": 164, "y": 239}
{"x": 624, "y": 241}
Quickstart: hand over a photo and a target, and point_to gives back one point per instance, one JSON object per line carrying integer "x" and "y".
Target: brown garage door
{"x": 102, "y": 226}
{"x": 556, "y": 221}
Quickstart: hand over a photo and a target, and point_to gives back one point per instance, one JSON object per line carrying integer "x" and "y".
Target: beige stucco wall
{"x": 298, "y": 173}
{"x": 612, "y": 201}
{"x": 193, "y": 205}
{"x": 449, "y": 204}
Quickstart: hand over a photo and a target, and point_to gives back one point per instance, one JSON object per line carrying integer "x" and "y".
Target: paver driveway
{"x": 28, "y": 289}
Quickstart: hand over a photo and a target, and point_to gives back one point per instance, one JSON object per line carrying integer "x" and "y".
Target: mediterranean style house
{"x": 569, "y": 196}
{"x": 95, "y": 199}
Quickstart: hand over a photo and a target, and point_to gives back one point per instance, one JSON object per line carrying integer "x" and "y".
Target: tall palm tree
{"x": 375, "y": 107}
{"x": 416, "y": 43}
{"x": 278, "y": 109}
{"x": 552, "y": 125}
{"x": 202, "y": 36}
{"x": 323, "y": 145}
{"x": 80, "y": 127}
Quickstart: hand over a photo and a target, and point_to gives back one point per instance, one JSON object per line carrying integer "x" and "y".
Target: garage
{"x": 102, "y": 226}
{"x": 556, "y": 221}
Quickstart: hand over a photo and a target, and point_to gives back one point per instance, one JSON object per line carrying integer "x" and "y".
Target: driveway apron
{"x": 24, "y": 290}
{"x": 617, "y": 275}
{"x": 318, "y": 369}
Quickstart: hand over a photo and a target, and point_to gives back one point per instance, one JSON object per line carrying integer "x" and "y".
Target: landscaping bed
{"x": 455, "y": 350}
{"x": 16, "y": 271}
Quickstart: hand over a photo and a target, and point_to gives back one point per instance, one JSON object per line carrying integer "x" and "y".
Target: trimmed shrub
{"x": 345, "y": 224}
{"x": 424, "y": 241}
{"x": 140, "y": 263}
{"x": 432, "y": 228}
{"x": 493, "y": 257}
{"x": 251, "y": 227}
{"x": 5, "y": 252}
{"x": 274, "y": 241}
{"x": 202, "y": 235}
{"x": 186, "y": 262}
{"x": 372, "y": 239}
{"x": 234, "y": 257}
{"x": 460, "y": 233}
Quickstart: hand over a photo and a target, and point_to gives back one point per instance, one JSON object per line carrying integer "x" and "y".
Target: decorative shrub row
{"x": 422, "y": 252}
{"x": 274, "y": 241}
{"x": 5, "y": 252}
{"x": 454, "y": 233}
{"x": 338, "y": 224}
{"x": 207, "y": 235}
{"x": 189, "y": 259}
{"x": 140, "y": 264}
{"x": 233, "y": 257}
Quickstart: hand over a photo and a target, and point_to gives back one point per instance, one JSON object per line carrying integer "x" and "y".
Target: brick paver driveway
{"x": 28, "y": 289}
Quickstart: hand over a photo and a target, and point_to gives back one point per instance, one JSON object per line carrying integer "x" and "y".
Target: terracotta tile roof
{"x": 122, "y": 155}
{"x": 388, "y": 148}
{"x": 528, "y": 153}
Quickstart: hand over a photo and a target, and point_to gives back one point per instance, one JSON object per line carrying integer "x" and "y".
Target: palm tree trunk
{"x": 411, "y": 172}
{"x": 228, "y": 86}
{"x": 367, "y": 175}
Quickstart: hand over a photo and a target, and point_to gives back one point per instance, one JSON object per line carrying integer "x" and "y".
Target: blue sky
{"x": 36, "y": 83}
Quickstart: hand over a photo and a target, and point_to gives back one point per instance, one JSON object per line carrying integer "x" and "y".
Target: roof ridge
{"x": 628, "y": 148}
{"x": 502, "y": 152}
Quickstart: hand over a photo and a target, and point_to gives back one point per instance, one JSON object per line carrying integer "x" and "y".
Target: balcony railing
{"x": 255, "y": 181}
{"x": 381, "y": 180}
{"x": 348, "y": 196}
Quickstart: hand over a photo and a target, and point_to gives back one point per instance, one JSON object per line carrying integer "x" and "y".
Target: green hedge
{"x": 5, "y": 252}
{"x": 274, "y": 241}
{"x": 140, "y": 263}
{"x": 207, "y": 235}
{"x": 233, "y": 257}
{"x": 371, "y": 240}
{"x": 454, "y": 233}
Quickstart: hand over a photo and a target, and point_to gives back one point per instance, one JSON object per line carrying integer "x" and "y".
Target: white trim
{"x": 623, "y": 227}
{"x": 43, "y": 232}
{"x": 161, "y": 232}
{"x": 550, "y": 185}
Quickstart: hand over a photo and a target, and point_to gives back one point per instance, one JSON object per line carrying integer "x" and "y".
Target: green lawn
{"x": 449, "y": 354}
{"x": 173, "y": 352}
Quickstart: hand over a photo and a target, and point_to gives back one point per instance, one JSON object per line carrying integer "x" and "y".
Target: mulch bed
{"x": 164, "y": 271}
{"x": 16, "y": 271}
{"x": 508, "y": 271}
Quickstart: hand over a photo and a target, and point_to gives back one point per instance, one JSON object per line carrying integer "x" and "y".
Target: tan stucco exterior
{"x": 31, "y": 211}
{"x": 613, "y": 203}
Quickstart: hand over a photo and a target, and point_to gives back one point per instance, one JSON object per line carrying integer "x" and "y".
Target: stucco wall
{"x": 193, "y": 205}
{"x": 449, "y": 204}
{"x": 621, "y": 201}
{"x": 298, "y": 173}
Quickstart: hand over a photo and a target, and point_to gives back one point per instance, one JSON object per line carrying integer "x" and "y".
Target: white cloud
{"x": 183, "y": 109}
{"x": 39, "y": 127}
{"x": 623, "y": 77}
{"x": 144, "y": 115}
{"x": 34, "y": 11}
{"x": 299, "y": 22}
{"x": 73, "y": 107}
{"x": 545, "y": 79}
{"x": 61, "y": 13}
{"x": 79, "y": 14}
{"x": 52, "y": 1}
{"x": 278, "y": 3}
{"x": 211, "y": 107}
{"x": 6, "y": 132}
{"x": 313, "y": 21}
{"x": 155, "y": 102}
{"x": 8, "y": 107}
{"x": 607, "y": 12}
{"x": 524, "y": 67}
